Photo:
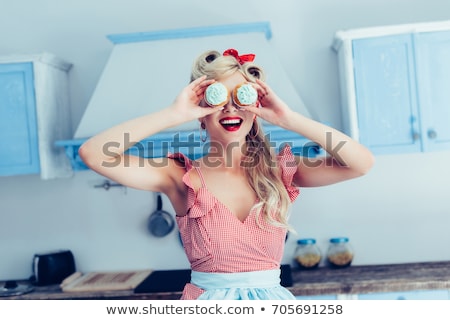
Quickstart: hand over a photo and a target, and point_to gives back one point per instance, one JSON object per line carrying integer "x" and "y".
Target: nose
{"x": 230, "y": 106}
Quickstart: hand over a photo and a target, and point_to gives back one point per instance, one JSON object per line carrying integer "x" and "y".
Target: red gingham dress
{"x": 217, "y": 241}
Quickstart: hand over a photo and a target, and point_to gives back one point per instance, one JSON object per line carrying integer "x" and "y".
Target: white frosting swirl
{"x": 246, "y": 95}
{"x": 216, "y": 94}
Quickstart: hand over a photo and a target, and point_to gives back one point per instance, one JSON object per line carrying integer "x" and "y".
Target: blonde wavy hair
{"x": 261, "y": 169}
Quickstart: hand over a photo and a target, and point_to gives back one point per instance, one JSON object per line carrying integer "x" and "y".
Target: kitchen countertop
{"x": 321, "y": 281}
{"x": 372, "y": 278}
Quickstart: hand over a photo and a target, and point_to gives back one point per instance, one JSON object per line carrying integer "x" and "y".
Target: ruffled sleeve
{"x": 202, "y": 205}
{"x": 288, "y": 166}
{"x": 199, "y": 203}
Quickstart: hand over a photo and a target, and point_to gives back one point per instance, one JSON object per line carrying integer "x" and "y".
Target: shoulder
{"x": 286, "y": 158}
{"x": 178, "y": 167}
{"x": 178, "y": 186}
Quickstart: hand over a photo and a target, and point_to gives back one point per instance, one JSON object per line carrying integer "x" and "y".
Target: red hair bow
{"x": 241, "y": 59}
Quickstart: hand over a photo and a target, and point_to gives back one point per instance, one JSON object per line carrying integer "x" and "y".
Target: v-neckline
{"x": 230, "y": 212}
{"x": 228, "y": 209}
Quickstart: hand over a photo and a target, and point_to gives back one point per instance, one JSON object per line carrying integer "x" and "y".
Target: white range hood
{"x": 146, "y": 71}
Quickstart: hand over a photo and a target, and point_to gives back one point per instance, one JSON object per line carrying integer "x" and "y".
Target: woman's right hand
{"x": 187, "y": 103}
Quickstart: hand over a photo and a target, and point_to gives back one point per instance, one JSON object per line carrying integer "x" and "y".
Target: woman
{"x": 232, "y": 204}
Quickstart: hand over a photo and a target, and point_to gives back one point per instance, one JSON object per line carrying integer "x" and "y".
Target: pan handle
{"x": 159, "y": 202}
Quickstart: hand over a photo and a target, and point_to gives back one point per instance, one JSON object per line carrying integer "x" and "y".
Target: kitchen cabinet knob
{"x": 415, "y": 136}
{"x": 432, "y": 134}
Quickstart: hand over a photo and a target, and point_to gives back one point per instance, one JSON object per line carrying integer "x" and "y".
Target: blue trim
{"x": 188, "y": 143}
{"x": 263, "y": 27}
{"x": 20, "y": 136}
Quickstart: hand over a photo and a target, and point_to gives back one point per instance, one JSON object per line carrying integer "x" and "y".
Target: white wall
{"x": 397, "y": 213}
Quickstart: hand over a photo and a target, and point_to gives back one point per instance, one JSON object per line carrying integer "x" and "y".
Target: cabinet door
{"x": 387, "y": 111}
{"x": 18, "y": 126}
{"x": 433, "y": 82}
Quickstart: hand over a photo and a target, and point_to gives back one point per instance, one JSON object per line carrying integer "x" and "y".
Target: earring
{"x": 203, "y": 130}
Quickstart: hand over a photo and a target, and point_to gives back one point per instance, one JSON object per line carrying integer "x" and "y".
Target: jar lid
{"x": 339, "y": 240}
{"x": 306, "y": 241}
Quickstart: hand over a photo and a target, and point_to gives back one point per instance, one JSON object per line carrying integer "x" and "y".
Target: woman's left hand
{"x": 270, "y": 107}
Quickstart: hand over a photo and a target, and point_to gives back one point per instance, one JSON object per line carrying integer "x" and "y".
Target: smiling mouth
{"x": 231, "y": 124}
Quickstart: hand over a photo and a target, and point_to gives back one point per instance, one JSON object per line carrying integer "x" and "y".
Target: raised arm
{"x": 104, "y": 153}
{"x": 346, "y": 158}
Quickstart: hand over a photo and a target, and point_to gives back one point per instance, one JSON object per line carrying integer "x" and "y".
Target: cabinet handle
{"x": 415, "y": 136}
{"x": 432, "y": 134}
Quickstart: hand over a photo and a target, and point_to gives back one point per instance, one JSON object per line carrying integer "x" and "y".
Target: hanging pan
{"x": 160, "y": 222}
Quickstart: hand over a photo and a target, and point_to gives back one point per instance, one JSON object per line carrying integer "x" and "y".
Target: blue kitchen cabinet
{"x": 19, "y": 152}
{"x": 394, "y": 86}
{"x": 34, "y": 112}
{"x": 385, "y": 95}
{"x": 432, "y": 51}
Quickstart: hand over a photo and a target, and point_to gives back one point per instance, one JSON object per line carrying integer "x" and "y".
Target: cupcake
{"x": 216, "y": 95}
{"x": 245, "y": 95}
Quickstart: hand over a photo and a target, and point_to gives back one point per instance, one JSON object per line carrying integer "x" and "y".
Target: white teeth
{"x": 231, "y": 121}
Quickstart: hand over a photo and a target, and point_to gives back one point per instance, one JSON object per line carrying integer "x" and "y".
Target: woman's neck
{"x": 225, "y": 155}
